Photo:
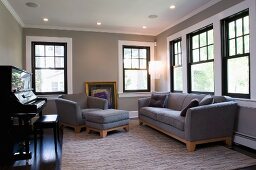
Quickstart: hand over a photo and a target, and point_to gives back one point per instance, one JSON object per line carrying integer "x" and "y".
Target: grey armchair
{"x": 72, "y": 109}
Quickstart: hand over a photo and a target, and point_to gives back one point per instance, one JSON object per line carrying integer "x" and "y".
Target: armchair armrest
{"x": 69, "y": 111}
{"x": 210, "y": 121}
{"x": 96, "y": 102}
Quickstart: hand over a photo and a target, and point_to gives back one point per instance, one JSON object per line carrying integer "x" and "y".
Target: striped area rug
{"x": 143, "y": 148}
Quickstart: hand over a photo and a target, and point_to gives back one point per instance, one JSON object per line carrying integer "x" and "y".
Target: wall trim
{"x": 12, "y": 11}
{"x": 120, "y": 62}
{"x": 30, "y": 39}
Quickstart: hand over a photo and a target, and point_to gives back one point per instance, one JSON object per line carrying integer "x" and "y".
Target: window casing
{"x": 136, "y": 77}
{"x": 49, "y": 68}
{"x": 201, "y": 61}
{"x": 236, "y": 55}
{"x": 176, "y": 66}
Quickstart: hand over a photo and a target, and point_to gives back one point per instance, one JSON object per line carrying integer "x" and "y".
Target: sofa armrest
{"x": 143, "y": 102}
{"x": 210, "y": 121}
{"x": 96, "y": 102}
{"x": 69, "y": 111}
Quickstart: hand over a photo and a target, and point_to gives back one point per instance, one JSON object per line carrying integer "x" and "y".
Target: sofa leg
{"x": 103, "y": 133}
{"x": 77, "y": 129}
{"x": 126, "y": 128}
{"x": 191, "y": 146}
{"x": 141, "y": 123}
{"x": 228, "y": 142}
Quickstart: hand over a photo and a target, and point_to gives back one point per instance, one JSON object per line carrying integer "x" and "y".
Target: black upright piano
{"x": 18, "y": 102}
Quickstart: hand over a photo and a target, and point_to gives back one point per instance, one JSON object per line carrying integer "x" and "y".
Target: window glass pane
{"x": 49, "y": 50}
{"x": 203, "y": 53}
{"x": 210, "y": 37}
{"x": 143, "y": 53}
{"x": 49, "y": 80}
{"x": 202, "y": 77}
{"x": 195, "y": 41}
{"x": 135, "y": 53}
{"x": 246, "y": 44}
{"x": 239, "y": 26}
{"x": 39, "y": 50}
{"x": 127, "y": 63}
{"x": 239, "y": 47}
{"x": 49, "y": 62}
{"x": 143, "y": 63}
{"x": 179, "y": 47}
{"x": 127, "y": 53}
{"x": 210, "y": 52}
{"x": 180, "y": 60}
{"x": 40, "y": 62}
{"x": 195, "y": 55}
{"x": 232, "y": 47}
{"x": 175, "y": 48}
{"x": 177, "y": 79}
{"x": 246, "y": 25}
{"x": 238, "y": 75}
{"x": 59, "y": 62}
{"x": 59, "y": 50}
{"x": 135, "y": 63}
{"x": 203, "y": 39}
{"x": 176, "y": 60}
{"x": 231, "y": 29}
{"x": 136, "y": 80}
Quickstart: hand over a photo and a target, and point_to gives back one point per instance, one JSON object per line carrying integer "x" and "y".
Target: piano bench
{"x": 46, "y": 121}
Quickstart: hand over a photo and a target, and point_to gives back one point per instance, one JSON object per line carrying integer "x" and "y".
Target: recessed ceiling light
{"x": 144, "y": 27}
{"x": 152, "y": 16}
{"x": 45, "y": 19}
{"x": 172, "y": 7}
{"x": 32, "y": 4}
{"x": 98, "y": 23}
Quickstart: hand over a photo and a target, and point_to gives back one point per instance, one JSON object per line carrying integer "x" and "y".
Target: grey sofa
{"x": 202, "y": 124}
{"x": 72, "y": 109}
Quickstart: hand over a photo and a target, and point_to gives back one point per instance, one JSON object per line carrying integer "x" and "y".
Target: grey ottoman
{"x": 104, "y": 121}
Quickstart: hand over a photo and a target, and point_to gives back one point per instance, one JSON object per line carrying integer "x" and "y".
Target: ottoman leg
{"x": 103, "y": 133}
{"x": 126, "y": 128}
{"x": 88, "y": 130}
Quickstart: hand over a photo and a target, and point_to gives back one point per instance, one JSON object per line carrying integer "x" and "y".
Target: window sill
{"x": 135, "y": 94}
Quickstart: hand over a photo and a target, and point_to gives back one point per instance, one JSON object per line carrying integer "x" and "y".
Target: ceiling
{"x": 121, "y": 16}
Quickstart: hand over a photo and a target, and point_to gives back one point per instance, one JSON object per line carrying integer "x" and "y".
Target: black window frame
{"x": 147, "y": 67}
{"x": 225, "y": 52}
{"x": 190, "y": 59}
{"x": 33, "y": 44}
{"x": 172, "y": 62}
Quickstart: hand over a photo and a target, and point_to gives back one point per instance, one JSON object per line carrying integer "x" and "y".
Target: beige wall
{"x": 162, "y": 37}
{"x": 95, "y": 56}
{"x": 10, "y": 39}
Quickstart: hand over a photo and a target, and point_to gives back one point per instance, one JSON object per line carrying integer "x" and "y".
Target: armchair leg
{"x": 191, "y": 146}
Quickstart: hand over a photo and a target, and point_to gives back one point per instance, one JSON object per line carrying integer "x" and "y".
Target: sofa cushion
{"x": 151, "y": 112}
{"x": 158, "y": 99}
{"x": 208, "y": 99}
{"x": 80, "y": 98}
{"x": 193, "y": 103}
{"x": 172, "y": 118}
{"x": 175, "y": 101}
{"x": 218, "y": 99}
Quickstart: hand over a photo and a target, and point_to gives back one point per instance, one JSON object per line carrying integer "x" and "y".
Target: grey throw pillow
{"x": 158, "y": 99}
{"x": 193, "y": 103}
{"x": 208, "y": 99}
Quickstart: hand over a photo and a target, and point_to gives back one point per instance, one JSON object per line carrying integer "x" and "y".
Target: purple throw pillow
{"x": 158, "y": 100}
{"x": 193, "y": 103}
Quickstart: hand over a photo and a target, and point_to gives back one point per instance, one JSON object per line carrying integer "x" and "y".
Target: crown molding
{"x": 12, "y": 11}
{"x": 194, "y": 12}
{"x": 86, "y": 29}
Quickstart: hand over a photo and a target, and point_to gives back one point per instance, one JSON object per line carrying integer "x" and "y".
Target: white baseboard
{"x": 133, "y": 114}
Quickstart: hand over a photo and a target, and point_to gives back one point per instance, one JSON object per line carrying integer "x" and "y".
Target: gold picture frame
{"x": 106, "y": 90}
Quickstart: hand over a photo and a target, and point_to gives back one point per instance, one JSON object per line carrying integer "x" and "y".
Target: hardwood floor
{"x": 47, "y": 159}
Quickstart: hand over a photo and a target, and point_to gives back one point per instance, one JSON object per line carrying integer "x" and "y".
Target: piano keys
{"x": 17, "y": 100}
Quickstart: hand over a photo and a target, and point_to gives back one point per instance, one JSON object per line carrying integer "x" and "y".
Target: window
{"x": 236, "y": 55}
{"x": 49, "y": 67}
{"x": 176, "y": 65}
{"x": 135, "y": 69}
{"x": 200, "y": 61}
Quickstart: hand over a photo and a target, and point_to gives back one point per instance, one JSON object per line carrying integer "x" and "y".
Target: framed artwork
{"x": 106, "y": 90}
